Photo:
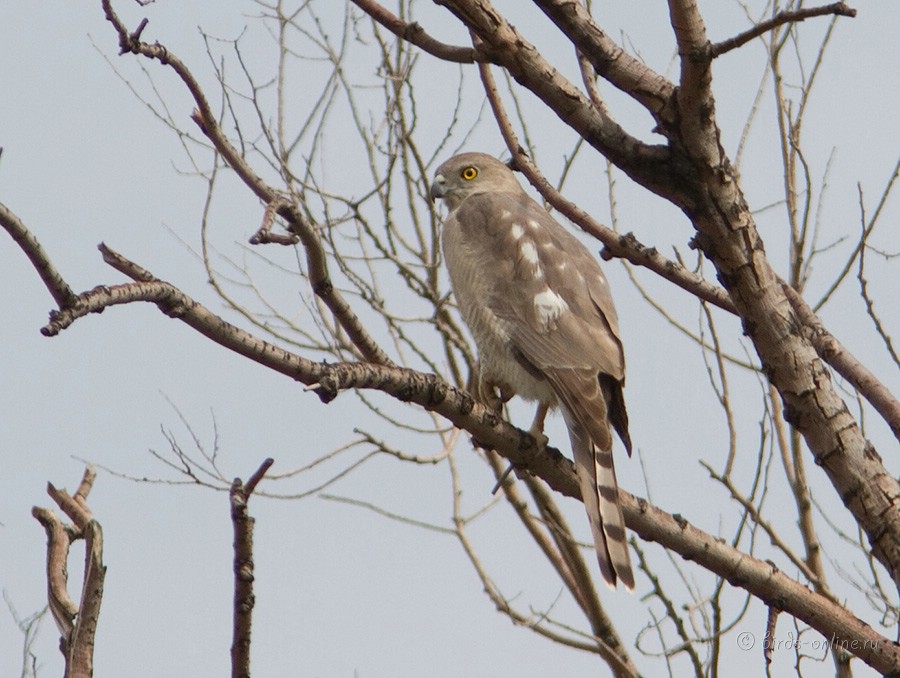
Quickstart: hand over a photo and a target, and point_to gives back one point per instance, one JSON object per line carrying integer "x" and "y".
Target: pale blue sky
{"x": 342, "y": 591}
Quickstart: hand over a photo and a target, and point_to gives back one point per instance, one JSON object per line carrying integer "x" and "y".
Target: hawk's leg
{"x": 537, "y": 426}
{"x": 536, "y": 431}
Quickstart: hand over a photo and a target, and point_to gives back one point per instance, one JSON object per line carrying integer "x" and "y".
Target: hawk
{"x": 542, "y": 316}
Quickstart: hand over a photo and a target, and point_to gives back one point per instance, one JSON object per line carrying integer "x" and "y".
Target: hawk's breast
{"x": 483, "y": 266}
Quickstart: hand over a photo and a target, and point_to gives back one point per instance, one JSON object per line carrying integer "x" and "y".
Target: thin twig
{"x": 659, "y": 591}
{"x": 783, "y": 17}
{"x": 769, "y": 636}
{"x": 864, "y": 286}
{"x": 764, "y": 524}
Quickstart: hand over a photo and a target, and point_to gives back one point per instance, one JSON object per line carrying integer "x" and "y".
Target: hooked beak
{"x": 438, "y": 188}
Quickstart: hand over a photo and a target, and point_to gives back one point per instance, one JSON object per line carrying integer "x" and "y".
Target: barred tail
{"x": 600, "y": 491}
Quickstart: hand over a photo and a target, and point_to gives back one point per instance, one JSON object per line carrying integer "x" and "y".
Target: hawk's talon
{"x": 493, "y": 396}
{"x": 540, "y": 440}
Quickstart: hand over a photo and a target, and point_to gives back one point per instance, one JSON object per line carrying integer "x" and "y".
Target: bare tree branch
{"x": 728, "y": 236}
{"x": 864, "y": 288}
{"x": 519, "y": 447}
{"x": 696, "y": 127}
{"x": 781, "y": 18}
{"x": 60, "y": 291}
{"x": 502, "y": 44}
{"x": 244, "y": 600}
{"x": 615, "y": 244}
{"x": 845, "y": 363}
{"x": 381, "y": 251}
{"x": 77, "y": 624}
{"x": 298, "y": 222}
{"x": 611, "y": 62}
{"x": 628, "y": 247}
{"x": 413, "y": 33}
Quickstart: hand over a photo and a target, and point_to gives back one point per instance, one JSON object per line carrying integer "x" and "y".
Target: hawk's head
{"x": 471, "y": 173}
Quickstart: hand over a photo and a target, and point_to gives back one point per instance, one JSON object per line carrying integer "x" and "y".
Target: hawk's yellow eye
{"x": 469, "y": 173}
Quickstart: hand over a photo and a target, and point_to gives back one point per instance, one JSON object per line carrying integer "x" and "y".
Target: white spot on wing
{"x": 529, "y": 253}
{"x": 533, "y": 224}
{"x": 549, "y": 306}
{"x": 516, "y": 231}
{"x": 505, "y": 214}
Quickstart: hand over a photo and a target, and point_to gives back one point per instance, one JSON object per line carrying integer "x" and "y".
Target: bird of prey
{"x": 542, "y": 316}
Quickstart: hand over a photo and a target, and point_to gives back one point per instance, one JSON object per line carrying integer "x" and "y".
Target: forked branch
{"x": 77, "y": 623}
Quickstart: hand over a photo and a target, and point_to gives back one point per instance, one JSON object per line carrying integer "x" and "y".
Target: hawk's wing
{"x": 554, "y": 303}
{"x": 548, "y": 288}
